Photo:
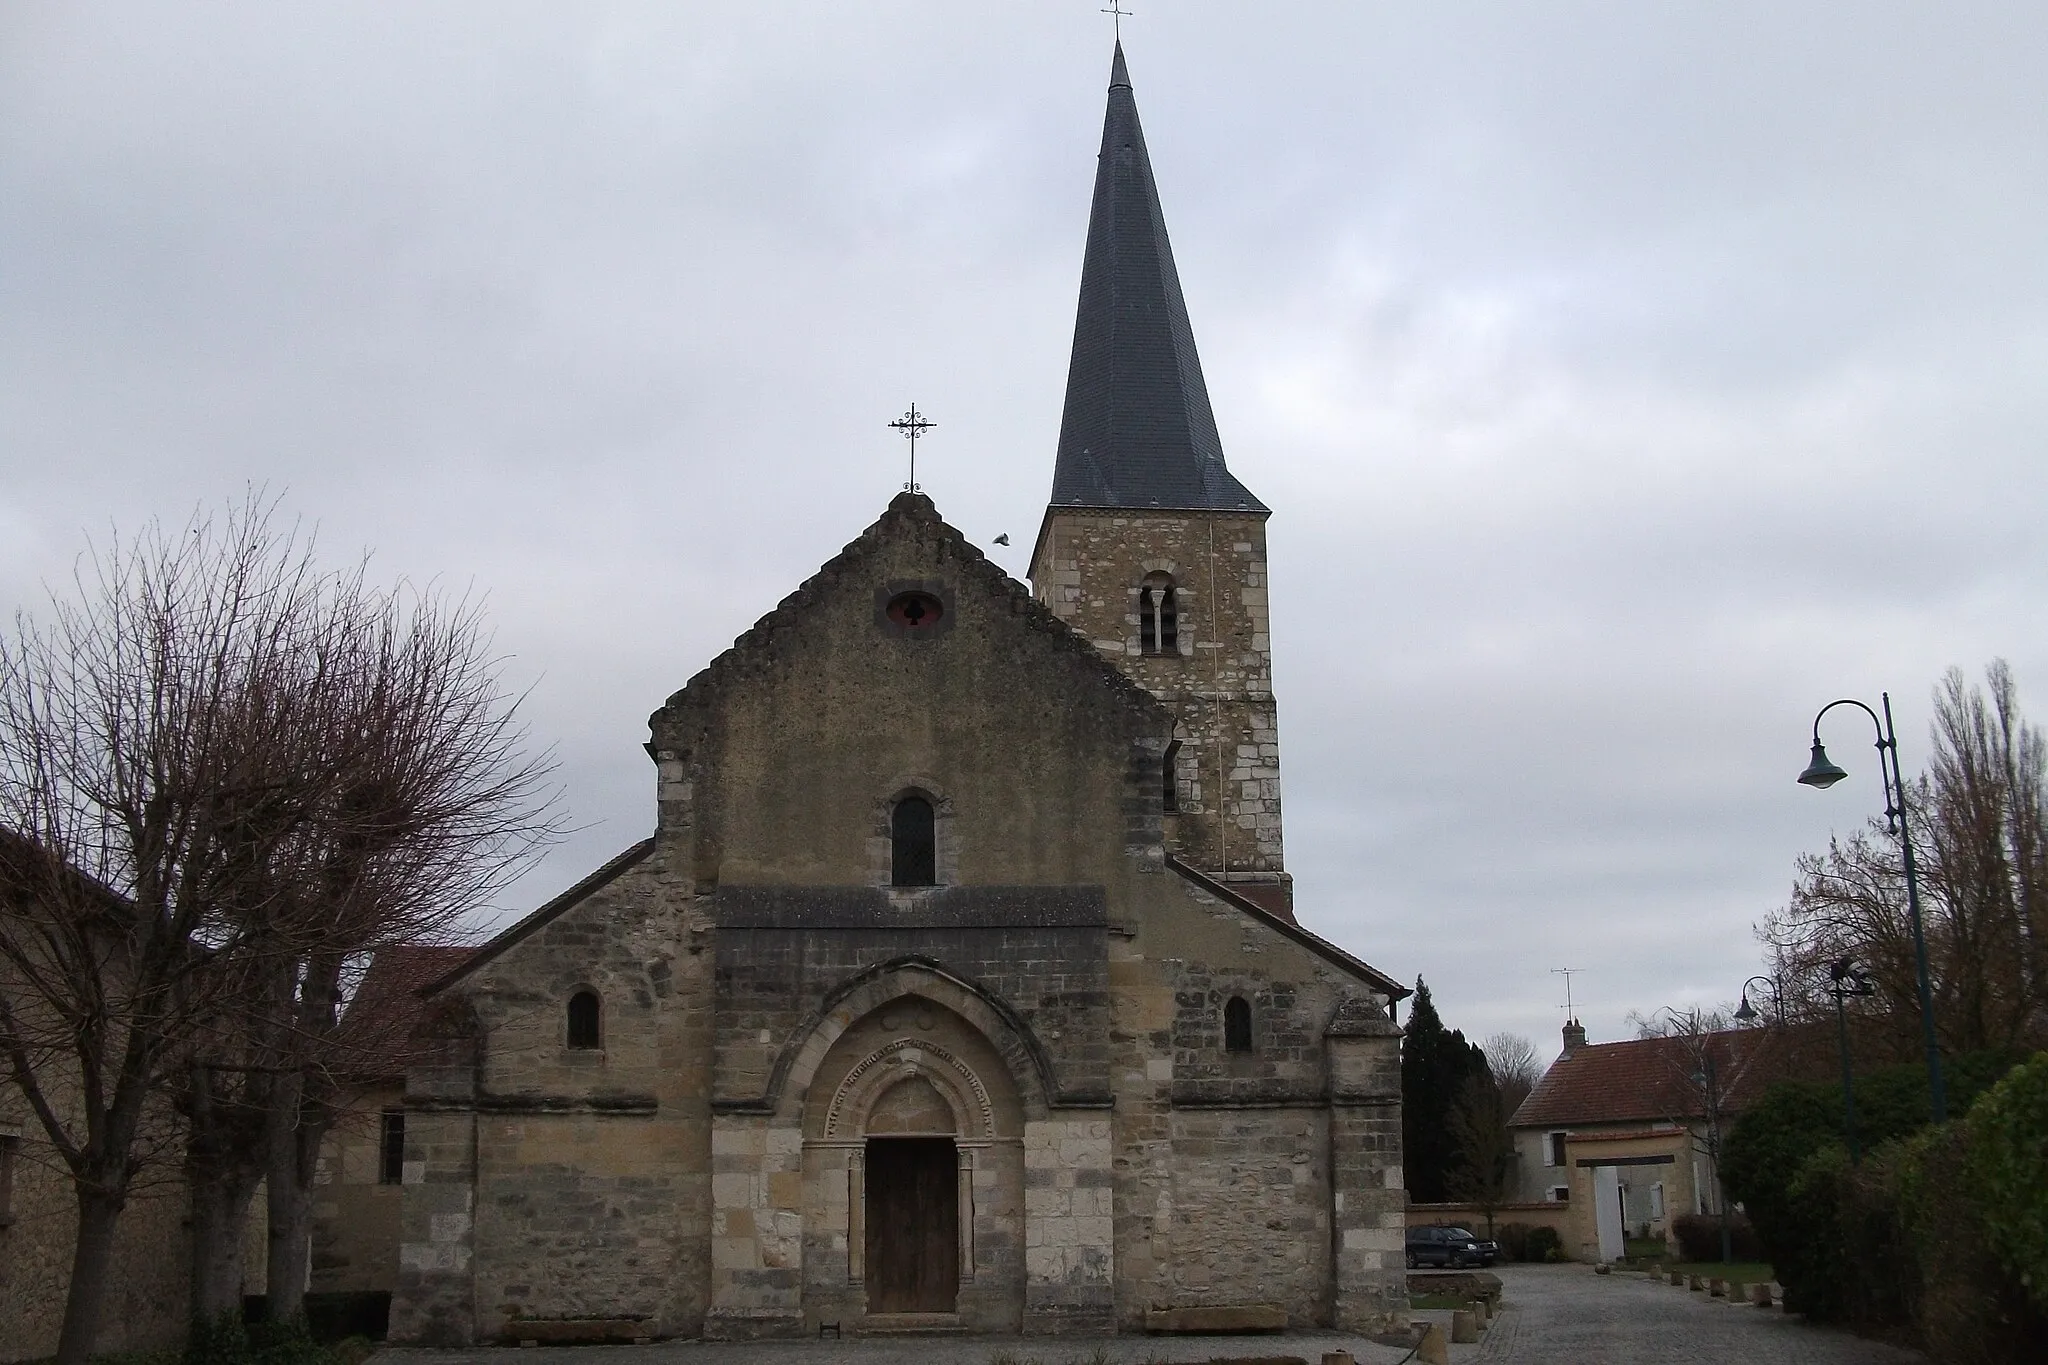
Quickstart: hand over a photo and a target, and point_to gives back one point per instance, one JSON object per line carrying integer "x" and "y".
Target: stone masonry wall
{"x": 355, "y": 1215}
{"x": 1239, "y": 1173}
{"x": 1090, "y": 567}
{"x": 1069, "y": 1226}
{"x": 547, "y": 1181}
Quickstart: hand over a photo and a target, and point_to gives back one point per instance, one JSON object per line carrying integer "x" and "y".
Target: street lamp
{"x": 1823, "y": 774}
{"x": 1847, "y": 981}
{"x": 1746, "y": 1013}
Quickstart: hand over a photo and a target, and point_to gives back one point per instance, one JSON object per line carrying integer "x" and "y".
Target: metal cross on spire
{"x": 913, "y": 425}
{"x": 1119, "y": 14}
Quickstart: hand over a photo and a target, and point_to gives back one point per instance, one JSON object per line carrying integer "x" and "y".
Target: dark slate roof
{"x": 1137, "y": 431}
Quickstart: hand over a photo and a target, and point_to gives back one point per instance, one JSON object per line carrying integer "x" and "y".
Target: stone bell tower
{"x": 1149, "y": 546}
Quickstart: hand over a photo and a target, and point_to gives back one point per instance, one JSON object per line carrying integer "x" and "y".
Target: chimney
{"x": 1574, "y": 1036}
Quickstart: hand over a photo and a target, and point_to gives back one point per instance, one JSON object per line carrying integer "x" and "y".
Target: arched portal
{"x": 911, "y": 1190}
{"x": 913, "y": 1129}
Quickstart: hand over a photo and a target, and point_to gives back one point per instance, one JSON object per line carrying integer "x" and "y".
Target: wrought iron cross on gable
{"x": 913, "y": 424}
{"x": 1116, "y": 9}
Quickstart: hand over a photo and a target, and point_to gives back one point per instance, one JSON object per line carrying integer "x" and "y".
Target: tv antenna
{"x": 1566, "y": 973}
{"x": 913, "y": 424}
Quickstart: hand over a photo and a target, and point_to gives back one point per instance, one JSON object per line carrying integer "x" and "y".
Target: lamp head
{"x": 1821, "y": 772}
{"x": 1745, "y": 1013}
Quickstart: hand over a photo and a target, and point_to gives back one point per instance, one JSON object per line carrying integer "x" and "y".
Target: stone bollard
{"x": 1481, "y": 1313}
{"x": 1695, "y": 1283}
{"x": 1338, "y": 1358}
{"x": 1760, "y": 1294}
{"x": 1678, "y": 1277}
{"x": 1464, "y": 1327}
{"x": 1433, "y": 1350}
{"x": 1603, "y": 1269}
{"x": 1738, "y": 1292}
{"x": 1717, "y": 1288}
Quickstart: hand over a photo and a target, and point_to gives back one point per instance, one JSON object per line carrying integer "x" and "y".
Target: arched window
{"x": 913, "y": 840}
{"x": 1158, "y": 616}
{"x": 1169, "y": 779}
{"x": 1237, "y": 1025}
{"x": 584, "y": 1027}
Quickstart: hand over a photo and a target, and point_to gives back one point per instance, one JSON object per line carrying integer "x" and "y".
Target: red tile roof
{"x": 377, "y": 1027}
{"x": 1644, "y": 1080}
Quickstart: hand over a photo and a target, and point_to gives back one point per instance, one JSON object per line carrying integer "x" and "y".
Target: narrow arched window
{"x": 585, "y": 1027}
{"x": 1237, "y": 1025}
{"x": 1158, "y": 616}
{"x": 913, "y": 841}
{"x": 1169, "y": 779}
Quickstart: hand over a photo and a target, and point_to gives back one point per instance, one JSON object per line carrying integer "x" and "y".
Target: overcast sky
{"x": 1626, "y": 380}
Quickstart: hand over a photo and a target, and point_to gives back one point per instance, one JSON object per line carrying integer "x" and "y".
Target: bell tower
{"x": 1150, "y": 547}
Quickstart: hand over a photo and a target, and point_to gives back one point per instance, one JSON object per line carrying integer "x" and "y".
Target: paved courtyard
{"x": 1567, "y": 1315}
{"x": 1555, "y": 1315}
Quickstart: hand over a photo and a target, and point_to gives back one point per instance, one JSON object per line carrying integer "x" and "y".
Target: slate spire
{"x": 1137, "y": 431}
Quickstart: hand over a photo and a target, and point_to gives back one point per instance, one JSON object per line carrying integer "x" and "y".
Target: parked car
{"x": 1449, "y": 1247}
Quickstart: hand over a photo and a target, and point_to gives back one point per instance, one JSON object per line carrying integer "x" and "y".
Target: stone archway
{"x": 913, "y": 1160}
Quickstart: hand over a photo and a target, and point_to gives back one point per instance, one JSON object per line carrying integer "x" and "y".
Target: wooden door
{"x": 913, "y": 1225}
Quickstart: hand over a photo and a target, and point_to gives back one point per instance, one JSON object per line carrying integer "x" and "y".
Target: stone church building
{"x": 959, "y": 984}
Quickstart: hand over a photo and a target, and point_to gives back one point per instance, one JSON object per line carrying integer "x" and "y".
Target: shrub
{"x": 1699, "y": 1237}
{"x": 2007, "y": 1173}
{"x": 1765, "y": 1151}
{"x": 1543, "y": 1244}
{"x": 1514, "y": 1240}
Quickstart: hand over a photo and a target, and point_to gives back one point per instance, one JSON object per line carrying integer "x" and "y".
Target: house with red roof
{"x": 1626, "y": 1133}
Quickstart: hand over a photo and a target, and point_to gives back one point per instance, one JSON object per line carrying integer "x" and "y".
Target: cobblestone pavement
{"x": 1567, "y": 1315}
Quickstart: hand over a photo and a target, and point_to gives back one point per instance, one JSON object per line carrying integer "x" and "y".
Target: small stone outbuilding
{"x": 960, "y": 983}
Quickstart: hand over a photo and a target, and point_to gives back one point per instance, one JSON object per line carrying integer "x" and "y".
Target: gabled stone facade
{"x": 959, "y": 985}
{"x": 1050, "y": 1016}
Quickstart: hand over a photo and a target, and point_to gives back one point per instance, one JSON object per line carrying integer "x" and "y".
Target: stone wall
{"x": 146, "y": 1293}
{"x": 355, "y": 1213}
{"x": 1063, "y": 987}
{"x": 1089, "y": 567}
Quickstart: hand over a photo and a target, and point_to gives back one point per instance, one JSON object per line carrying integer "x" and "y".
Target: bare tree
{"x": 1705, "y": 1062}
{"x": 1980, "y": 827}
{"x": 1484, "y": 1174}
{"x": 223, "y": 773}
{"x": 1512, "y": 1059}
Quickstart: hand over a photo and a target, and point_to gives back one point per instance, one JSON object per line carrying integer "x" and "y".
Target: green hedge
{"x": 1940, "y": 1234}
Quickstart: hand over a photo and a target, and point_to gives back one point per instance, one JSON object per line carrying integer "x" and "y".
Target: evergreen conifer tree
{"x": 1436, "y": 1063}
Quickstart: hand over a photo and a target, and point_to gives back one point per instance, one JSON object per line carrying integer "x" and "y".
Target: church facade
{"x": 960, "y": 983}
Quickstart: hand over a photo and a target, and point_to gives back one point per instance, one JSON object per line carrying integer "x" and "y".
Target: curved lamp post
{"x": 1822, "y": 773}
{"x": 1746, "y": 1013}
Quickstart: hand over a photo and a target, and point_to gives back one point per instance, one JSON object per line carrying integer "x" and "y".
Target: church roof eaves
{"x": 976, "y": 569}
{"x": 1137, "y": 429}
{"x": 1314, "y": 942}
{"x": 542, "y": 917}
